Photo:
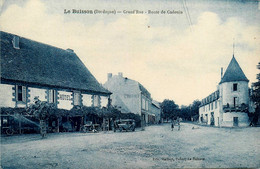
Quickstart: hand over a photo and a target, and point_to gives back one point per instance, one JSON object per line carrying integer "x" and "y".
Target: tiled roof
{"x": 234, "y": 72}
{"x": 144, "y": 91}
{"x": 42, "y": 64}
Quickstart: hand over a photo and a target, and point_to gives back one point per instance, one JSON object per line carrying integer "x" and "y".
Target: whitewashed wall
{"x": 156, "y": 111}
{"x": 241, "y": 93}
{"x": 205, "y": 110}
{"x": 36, "y": 92}
{"x": 64, "y": 100}
{"x": 228, "y": 117}
{"x": 87, "y": 100}
{"x": 126, "y": 93}
{"x": 6, "y": 96}
{"x": 104, "y": 101}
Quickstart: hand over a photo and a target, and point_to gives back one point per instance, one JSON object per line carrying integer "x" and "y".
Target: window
{"x": 235, "y": 87}
{"x": 21, "y": 93}
{"x": 52, "y": 96}
{"x": 216, "y": 104}
{"x": 235, "y": 101}
{"x": 143, "y": 103}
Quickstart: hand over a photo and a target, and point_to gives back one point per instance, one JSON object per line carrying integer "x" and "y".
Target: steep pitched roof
{"x": 144, "y": 90}
{"x": 156, "y": 104}
{"x": 234, "y": 72}
{"x": 41, "y": 64}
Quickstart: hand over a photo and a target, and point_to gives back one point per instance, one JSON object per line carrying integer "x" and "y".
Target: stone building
{"x": 129, "y": 96}
{"x": 156, "y": 110}
{"x": 230, "y": 104}
{"x": 31, "y": 69}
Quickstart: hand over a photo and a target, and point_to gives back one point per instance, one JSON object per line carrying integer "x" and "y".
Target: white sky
{"x": 159, "y": 51}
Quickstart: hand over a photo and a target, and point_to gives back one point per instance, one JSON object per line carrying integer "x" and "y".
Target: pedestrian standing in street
{"x": 179, "y": 125}
{"x": 172, "y": 125}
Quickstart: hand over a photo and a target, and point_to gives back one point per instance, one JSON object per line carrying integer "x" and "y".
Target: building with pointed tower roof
{"x": 230, "y": 104}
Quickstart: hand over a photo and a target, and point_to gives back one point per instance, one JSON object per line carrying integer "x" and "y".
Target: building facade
{"x": 156, "y": 110}
{"x": 31, "y": 69}
{"x": 129, "y": 96}
{"x": 230, "y": 104}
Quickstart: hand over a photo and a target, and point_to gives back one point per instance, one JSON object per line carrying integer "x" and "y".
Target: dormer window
{"x": 15, "y": 42}
{"x": 235, "y": 87}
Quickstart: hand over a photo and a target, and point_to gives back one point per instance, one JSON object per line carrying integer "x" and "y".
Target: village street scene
{"x": 156, "y": 147}
{"x": 88, "y": 85}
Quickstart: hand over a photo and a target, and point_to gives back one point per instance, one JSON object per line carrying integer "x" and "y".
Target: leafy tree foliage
{"x": 256, "y": 96}
{"x": 41, "y": 110}
{"x": 185, "y": 113}
{"x": 195, "y": 109}
{"x": 109, "y": 112}
{"x": 191, "y": 111}
{"x": 170, "y": 110}
{"x": 256, "y": 89}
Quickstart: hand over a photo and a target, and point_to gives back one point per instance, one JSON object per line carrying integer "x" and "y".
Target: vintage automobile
{"x": 124, "y": 125}
{"x": 90, "y": 127}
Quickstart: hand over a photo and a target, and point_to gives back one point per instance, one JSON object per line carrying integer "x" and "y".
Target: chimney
{"x": 70, "y": 50}
{"x": 221, "y": 72}
{"x": 15, "y": 42}
{"x": 120, "y": 74}
{"x": 109, "y": 76}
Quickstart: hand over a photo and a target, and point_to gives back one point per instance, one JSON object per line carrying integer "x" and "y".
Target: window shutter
{"x": 50, "y": 96}
{"x": 16, "y": 92}
{"x": 76, "y": 98}
{"x": 24, "y": 94}
{"x": 54, "y": 96}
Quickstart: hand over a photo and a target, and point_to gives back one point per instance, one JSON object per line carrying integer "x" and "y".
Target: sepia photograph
{"x": 129, "y": 84}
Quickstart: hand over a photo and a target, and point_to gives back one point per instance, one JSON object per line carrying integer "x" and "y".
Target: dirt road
{"x": 156, "y": 147}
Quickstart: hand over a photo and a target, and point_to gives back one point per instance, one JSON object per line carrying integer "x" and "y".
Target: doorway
{"x": 212, "y": 121}
{"x": 235, "y": 121}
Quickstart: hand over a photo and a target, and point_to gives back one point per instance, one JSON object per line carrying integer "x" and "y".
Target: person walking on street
{"x": 172, "y": 125}
{"x": 179, "y": 125}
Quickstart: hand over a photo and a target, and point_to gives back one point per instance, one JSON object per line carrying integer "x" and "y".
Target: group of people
{"x": 177, "y": 122}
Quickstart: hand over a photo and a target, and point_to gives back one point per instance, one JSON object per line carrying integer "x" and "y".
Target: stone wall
{"x": 7, "y": 95}
{"x": 228, "y": 119}
{"x": 228, "y": 94}
{"x": 208, "y": 109}
{"x": 36, "y": 92}
{"x": 64, "y": 100}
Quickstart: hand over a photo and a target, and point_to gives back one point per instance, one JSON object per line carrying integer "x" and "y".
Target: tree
{"x": 185, "y": 112}
{"x": 190, "y": 112}
{"x": 195, "y": 109}
{"x": 256, "y": 96}
{"x": 169, "y": 109}
{"x": 42, "y": 111}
